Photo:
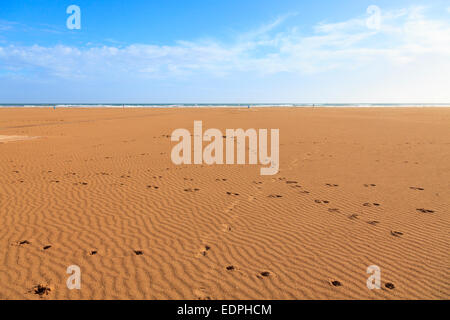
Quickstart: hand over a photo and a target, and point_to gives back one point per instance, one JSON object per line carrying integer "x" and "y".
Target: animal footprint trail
{"x": 226, "y": 227}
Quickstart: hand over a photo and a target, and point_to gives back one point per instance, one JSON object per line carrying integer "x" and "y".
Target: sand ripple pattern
{"x": 98, "y": 190}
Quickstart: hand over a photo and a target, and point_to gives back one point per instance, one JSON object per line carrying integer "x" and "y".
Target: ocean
{"x": 214, "y": 105}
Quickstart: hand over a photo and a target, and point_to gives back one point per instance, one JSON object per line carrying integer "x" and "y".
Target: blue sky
{"x": 225, "y": 51}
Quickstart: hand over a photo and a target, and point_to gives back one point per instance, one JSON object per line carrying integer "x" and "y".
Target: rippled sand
{"x": 97, "y": 189}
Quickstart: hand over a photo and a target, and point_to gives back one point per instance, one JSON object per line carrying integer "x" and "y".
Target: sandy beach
{"x": 97, "y": 188}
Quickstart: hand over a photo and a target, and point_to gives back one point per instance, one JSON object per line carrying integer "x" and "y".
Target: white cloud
{"x": 6, "y": 25}
{"x": 405, "y": 36}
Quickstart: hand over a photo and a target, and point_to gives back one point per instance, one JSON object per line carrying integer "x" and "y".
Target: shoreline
{"x": 221, "y": 106}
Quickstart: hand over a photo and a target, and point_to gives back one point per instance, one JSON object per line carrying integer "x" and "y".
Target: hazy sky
{"x": 225, "y": 51}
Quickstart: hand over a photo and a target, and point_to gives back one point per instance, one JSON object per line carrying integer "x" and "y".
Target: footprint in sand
{"x": 367, "y": 204}
{"x": 353, "y": 216}
{"x": 374, "y": 222}
{"x": 291, "y": 182}
{"x": 333, "y": 210}
{"x": 396, "y": 233}
{"x": 204, "y": 251}
{"x": 331, "y": 185}
{"x": 22, "y": 243}
{"x": 41, "y": 289}
{"x": 152, "y": 187}
{"x": 336, "y": 283}
{"x": 275, "y": 196}
{"x": 425, "y": 210}
{"x": 417, "y": 188}
{"x": 263, "y": 274}
{"x": 367, "y": 185}
{"x": 390, "y": 285}
{"x": 138, "y": 252}
{"x": 230, "y": 268}
{"x": 321, "y": 201}
{"x": 232, "y": 193}
{"x": 47, "y": 247}
{"x": 191, "y": 190}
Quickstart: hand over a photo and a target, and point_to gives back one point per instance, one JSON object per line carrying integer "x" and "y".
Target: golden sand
{"x": 356, "y": 187}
